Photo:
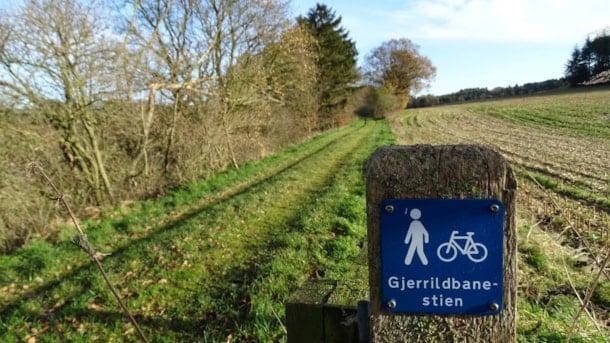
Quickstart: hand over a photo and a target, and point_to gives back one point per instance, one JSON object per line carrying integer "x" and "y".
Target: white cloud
{"x": 549, "y": 21}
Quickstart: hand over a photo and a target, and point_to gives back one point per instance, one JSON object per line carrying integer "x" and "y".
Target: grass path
{"x": 215, "y": 262}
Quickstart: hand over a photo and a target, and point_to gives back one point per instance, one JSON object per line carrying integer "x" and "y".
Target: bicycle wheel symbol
{"x": 477, "y": 253}
{"x": 446, "y": 252}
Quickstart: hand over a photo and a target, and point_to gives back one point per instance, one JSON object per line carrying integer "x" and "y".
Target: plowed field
{"x": 559, "y": 147}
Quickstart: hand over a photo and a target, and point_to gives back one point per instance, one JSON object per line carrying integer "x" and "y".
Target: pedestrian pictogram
{"x": 416, "y": 237}
{"x": 476, "y": 252}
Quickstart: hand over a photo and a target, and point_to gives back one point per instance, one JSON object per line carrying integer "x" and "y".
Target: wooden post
{"x": 440, "y": 172}
{"x": 325, "y": 311}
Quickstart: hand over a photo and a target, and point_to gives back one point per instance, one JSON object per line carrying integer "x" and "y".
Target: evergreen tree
{"x": 336, "y": 59}
{"x": 576, "y": 70}
{"x": 592, "y": 59}
{"x": 600, "y": 53}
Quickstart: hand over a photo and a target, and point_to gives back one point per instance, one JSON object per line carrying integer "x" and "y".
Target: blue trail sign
{"x": 442, "y": 256}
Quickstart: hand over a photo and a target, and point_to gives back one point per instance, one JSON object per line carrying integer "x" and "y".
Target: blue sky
{"x": 475, "y": 43}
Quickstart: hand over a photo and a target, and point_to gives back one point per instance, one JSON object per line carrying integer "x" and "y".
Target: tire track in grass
{"x": 164, "y": 277}
{"x": 171, "y": 216}
{"x": 254, "y": 266}
{"x": 258, "y": 268}
{"x": 264, "y": 244}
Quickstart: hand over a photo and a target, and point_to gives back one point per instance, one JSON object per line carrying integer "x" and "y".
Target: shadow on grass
{"x": 238, "y": 300}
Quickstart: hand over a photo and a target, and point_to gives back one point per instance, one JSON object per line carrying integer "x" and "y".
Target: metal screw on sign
{"x": 494, "y": 208}
{"x": 392, "y": 303}
{"x": 389, "y": 208}
{"x": 494, "y": 306}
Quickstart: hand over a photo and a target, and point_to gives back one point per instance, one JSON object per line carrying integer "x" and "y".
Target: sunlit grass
{"x": 552, "y": 286}
{"x": 585, "y": 113}
{"x": 213, "y": 262}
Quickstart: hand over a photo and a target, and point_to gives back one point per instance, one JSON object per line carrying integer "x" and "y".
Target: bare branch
{"x": 84, "y": 244}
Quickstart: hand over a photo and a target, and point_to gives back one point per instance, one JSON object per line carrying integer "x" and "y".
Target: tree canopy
{"x": 398, "y": 66}
{"x": 591, "y": 60}
{"x": 478, "y": 94}
{"x": 336, "y": 57}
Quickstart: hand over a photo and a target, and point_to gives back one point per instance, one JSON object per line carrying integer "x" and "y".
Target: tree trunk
{"x": 98, "y": 161}
{"x": 171, "y": 133}
{"x": 227, "y": 134}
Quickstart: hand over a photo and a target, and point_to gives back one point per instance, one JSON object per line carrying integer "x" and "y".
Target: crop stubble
{"x": 562, "y": 169}
{"x": 567, "y": 159}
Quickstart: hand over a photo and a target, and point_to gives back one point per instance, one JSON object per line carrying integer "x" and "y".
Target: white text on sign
{"x": 435, "y": 283}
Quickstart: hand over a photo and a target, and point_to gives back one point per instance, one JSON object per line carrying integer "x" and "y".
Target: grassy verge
{"x": 553, "y": 282}
{"x": 213, "y": 262}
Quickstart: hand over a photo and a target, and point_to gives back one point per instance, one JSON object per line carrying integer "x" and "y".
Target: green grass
{"x": 551, "y": 275}
{"x": 585, "y": 113}
{"x": 211, "y": 262}
{"x": 567, "y": 190}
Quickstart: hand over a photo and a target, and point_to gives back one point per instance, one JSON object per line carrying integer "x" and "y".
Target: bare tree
{"x": 175, "y": 91}
{"x": 292, "y": 70}
{"x": 57, "y": 62}
{"x": 239, "y": 30}
{"x": 199, "y": 55}
{"x": 162, "y": 32}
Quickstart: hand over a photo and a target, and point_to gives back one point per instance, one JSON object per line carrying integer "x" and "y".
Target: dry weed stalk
{"x": 84, "y": 244}
{"x": 601, "y": 264}
{"x": 592, "y": 287}
{"x": 571, "y": 227}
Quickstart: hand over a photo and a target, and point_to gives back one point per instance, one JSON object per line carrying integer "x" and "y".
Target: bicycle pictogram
{"x": 447, "y": 251}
